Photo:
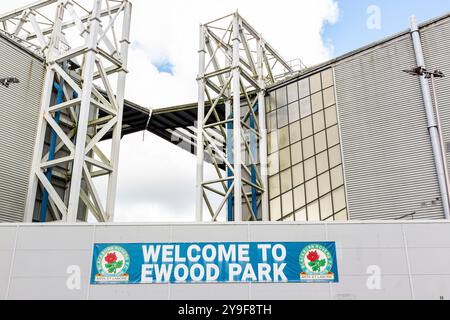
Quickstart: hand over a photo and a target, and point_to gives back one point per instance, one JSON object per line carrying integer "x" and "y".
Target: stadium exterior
{"x": 347, "y": 140}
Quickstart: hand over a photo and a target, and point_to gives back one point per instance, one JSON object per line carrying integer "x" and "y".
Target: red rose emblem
{"x": 312, "y": 256}
{"x": 111, "y": 257}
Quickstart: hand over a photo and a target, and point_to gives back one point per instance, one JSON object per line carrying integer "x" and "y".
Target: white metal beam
{"x": 237, "y": 151}
{"x": 117, "y": 131}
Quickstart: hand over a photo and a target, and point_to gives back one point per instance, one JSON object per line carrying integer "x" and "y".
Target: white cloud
{"x": 169, "y": 29}
{"x": 156, "y": 179}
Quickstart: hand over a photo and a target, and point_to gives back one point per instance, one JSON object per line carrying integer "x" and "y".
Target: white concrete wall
{"x": 414, "y": 258}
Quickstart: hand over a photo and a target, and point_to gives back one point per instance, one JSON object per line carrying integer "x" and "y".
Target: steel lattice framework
{"x": 235, "y": 67}
{"x": 84, "y": 58}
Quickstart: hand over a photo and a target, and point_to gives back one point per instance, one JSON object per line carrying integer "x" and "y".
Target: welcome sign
{"x": 139, "y": 263}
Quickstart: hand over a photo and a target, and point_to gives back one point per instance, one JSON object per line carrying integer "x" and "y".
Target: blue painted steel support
{"x": 253, "y": 150}
{"x": 229, "y": 172}
{"x": 51, "y": 153}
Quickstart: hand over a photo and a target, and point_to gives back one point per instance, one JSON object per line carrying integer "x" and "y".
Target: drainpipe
{"x": 441, "y": 138}
{"x": 432, "y": 124}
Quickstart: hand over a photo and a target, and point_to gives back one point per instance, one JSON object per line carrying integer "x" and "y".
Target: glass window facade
{"x": 306, "y": 181}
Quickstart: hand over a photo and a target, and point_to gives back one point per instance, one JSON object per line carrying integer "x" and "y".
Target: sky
{"x": 157, "y": 179}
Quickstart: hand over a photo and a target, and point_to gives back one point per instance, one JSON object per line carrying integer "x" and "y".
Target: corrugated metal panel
{"x": 435, "y": 42}
{"x": 387, "y": 152}
{"x": 19, "y": 110}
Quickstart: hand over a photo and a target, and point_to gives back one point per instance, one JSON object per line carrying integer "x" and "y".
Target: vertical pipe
{"x": 51, "y": 153}
{"x": 432, "y": 125}
{"x": 263, "y": 132}
{"x": 237, "y": 122}
{"x": 117, "y": 131}
{"x": 200, "y": 120}
{"x": 83, "y": 118}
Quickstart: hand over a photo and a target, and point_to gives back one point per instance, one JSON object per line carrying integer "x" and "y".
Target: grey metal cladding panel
{"x": 387, "y": 152}
{"x": 19, "y": 110}
{"x": 436, "y": 42}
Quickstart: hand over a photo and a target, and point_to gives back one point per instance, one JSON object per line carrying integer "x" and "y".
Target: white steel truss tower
{"x": 235, "y": 67}
{"x": 84, "y": 44}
